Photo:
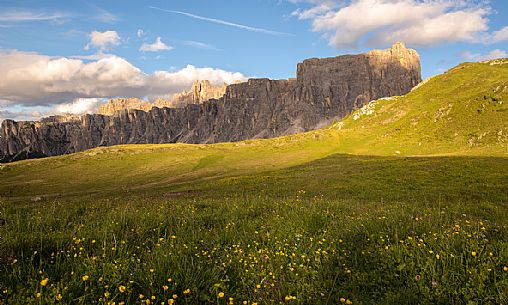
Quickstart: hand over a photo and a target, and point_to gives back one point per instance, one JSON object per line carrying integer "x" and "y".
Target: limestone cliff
{"x": 201, "y": 91}
{"x": 324, "y": 90}
{"x": 123, "y": 103}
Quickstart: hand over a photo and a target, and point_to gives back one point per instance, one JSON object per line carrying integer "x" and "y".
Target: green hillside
{"x": 461, "y": 112}
{"x": 404, "y": 201}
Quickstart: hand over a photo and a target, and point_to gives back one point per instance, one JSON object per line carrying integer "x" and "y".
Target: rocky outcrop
{"x": 201, "y": 91}
{"x": 324, "y": 90}
{"x": 123, "y": 103}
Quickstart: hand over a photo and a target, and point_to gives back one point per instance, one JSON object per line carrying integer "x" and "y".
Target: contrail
{"x": 223, "y": 22}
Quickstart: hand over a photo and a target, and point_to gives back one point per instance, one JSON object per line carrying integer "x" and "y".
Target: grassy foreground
{"x": 405, "y": 204}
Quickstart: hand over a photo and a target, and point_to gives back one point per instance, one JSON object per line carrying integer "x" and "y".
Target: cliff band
{"x": 324, "y": 90}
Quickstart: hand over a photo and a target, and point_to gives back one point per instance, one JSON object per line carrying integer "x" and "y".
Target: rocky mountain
{"x": 123, "y": 103}
{"x": 201, "y": 91}
{"x": 324, "y": 90}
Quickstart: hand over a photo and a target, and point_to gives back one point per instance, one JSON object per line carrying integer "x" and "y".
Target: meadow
{"x": 405, "y": 205}
{"x": 387, "y": 230}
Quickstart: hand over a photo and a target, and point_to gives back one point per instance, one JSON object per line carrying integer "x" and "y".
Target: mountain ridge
{"x": 200, "y": 91}
{"x": 323, "y": 91}
{"x": 417, "y": 125}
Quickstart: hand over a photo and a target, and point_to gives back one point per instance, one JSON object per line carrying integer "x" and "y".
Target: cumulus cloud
{"x": 318, "y": 7}
{"x": 79, "y": 106}
{"x": 157, "y": 46}
{"x": 419, "y": 23}
{"x": 32, "y": 79}
{"x": 499, "y": 36}
{"x": 494, "y": 54}
{"x": 22, "y": 114}
{"x": 103, "y": 40}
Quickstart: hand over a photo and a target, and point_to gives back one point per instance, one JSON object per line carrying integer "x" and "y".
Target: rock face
{"x": 123, "y": 103}
{"x": 201, "y": 91}
{"x": 324, "y": 90}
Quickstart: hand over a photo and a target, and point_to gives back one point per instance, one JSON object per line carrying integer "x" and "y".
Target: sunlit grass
{"x": 414, "y": 210}
{"x": 374, "y": 236}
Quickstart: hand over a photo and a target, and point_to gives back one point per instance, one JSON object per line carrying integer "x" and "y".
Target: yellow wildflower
{"x": 349, "y": 302}
{"x": 85, "y": 278}
{"x": 473, "y": 253}
{"x": 44, "y": 282}
{"x": 187, "y": 291}
{"x": 165, "y": 287}
{"x": 221, "y": 294}
{"x": 171, "y": 301}
{"x": 121, "y": 288}
{"x": 342, "y": 300}
{"x": 505, "y": 269}
{"x": 141, "y": 296}
{"x": 38, "y": 295}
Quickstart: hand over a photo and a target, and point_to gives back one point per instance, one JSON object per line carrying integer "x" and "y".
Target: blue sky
{"x": 90, "y": 50}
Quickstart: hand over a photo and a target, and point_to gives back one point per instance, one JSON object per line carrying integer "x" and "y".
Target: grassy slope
{"x": 461, "y": 112}
{"x": 355, "y": 211}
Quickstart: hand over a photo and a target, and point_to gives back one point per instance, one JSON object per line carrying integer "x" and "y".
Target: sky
{"x": 59, "y": 57}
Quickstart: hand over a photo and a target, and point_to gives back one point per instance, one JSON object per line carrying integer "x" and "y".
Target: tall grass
{"x": 272, "y": 238}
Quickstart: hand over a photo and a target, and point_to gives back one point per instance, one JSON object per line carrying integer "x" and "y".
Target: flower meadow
{"x": 341, "y": 230}
{"x": 251, "y": 250}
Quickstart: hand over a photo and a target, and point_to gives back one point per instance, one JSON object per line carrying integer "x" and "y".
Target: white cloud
{"x": 79, "y": 106}
{"x": 95, "y": 56}
{"x": 140, "y": 33}
{"x": 103, "y": 40}
{"x": 27, "y": 114}
{"x": 382, "y": 22}
{"x": 185, "y": 77}
{"x": 494, "y": 54}
{"x": 158, "y": 45}
{"x": 501, "y": 35}
{"x": 23, "y": 15}
{"x": 318, "y": 8}
{"x": 32, "y": 79}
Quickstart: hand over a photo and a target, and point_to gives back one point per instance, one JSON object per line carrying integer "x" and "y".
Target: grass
{"x": 408, "y": 204}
